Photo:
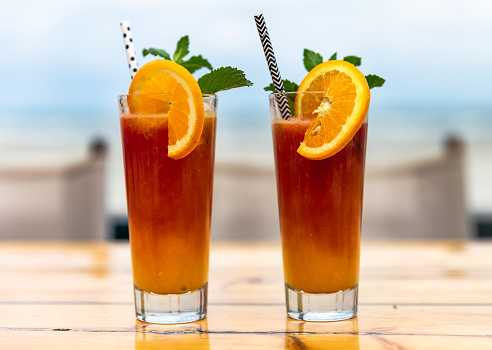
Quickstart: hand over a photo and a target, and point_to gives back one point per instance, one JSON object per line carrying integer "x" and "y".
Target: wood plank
{"x": 241, "y": 286}
{"x": 381, "y": 320}
{"x": 412, "y": 295}
{"x": 141, "y": 341}
{"x": 253, "y": 288}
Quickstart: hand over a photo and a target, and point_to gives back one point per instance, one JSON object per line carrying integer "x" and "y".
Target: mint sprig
{"x": 221, "y": 79}
{"x": 192, "y": 64}
{"x": 311, "y": 57}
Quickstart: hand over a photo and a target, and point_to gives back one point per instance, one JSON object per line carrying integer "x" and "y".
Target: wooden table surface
{"x": 412, "y": 296}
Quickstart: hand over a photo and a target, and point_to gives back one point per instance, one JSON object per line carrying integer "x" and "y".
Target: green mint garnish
{"x": 356, "y": 61}
{"x": 156, "y": 52}
{"x": 311, "y": 59}
{"x": 374, "y": 81}
{"x": 220, "y": 79}
{"x": 192, "y": 64}
{"x": 289, "y": 86}
{"x": 224, "y": 78}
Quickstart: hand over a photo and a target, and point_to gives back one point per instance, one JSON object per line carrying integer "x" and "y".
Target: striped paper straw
{"x": 130, "y": 49}
{"x": 272, "y": 65}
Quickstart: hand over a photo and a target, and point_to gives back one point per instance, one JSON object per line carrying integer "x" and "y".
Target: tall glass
{"x": 320, "y": 211}
{"x": 169, "y": 212}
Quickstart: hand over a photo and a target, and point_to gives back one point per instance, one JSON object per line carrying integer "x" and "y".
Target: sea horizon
{"x": 397, "y": 135}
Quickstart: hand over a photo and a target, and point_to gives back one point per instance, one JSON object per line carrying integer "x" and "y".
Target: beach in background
{"x": 396, "y": 137}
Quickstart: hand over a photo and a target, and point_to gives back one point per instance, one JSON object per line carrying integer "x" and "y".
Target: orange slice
{"x": 165, "y": 87}
{"x": 338, "y": 113}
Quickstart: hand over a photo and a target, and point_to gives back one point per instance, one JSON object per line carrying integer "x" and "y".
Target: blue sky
{"x": 68, "y": 56}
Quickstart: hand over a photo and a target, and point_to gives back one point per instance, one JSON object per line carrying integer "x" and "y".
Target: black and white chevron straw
{"x": 282, "y": 102}
{"x": 130, "y": 49}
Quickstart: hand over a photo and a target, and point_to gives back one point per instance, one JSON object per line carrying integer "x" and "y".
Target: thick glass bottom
{"x": 323, "y": 306}
{"x": 171, "y": 308}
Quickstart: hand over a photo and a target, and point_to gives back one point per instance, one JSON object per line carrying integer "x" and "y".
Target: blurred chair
{"x": 424, "y": 200}
{"x": 57, "y": 202}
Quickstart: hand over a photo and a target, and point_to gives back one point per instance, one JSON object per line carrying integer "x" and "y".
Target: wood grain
{"x": 412, "y": 296}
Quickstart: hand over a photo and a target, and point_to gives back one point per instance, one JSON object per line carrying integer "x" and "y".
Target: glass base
{"x": 323, "y": 306}
{"x": 171, "y": 308}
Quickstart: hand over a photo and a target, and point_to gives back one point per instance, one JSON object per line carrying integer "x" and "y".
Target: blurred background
{"x": 64, "y": 65}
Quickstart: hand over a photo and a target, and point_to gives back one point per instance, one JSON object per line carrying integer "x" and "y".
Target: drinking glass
{"x": 320, "y": 212}
{"x": 169, "y": 214}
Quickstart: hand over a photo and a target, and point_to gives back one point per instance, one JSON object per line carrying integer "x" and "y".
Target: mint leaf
{"x": 224, "y": 78}
{"x": 333, "y": 57}
{"x": 356, "y": 61}
{"x": 289, "y": 86}
{"x": 311, "y": 59}
{"x": 194, "y": 63}
{"x": 156, "y": 52}
{"x": 374, "y": 81}
{"x": 181, "y": 49}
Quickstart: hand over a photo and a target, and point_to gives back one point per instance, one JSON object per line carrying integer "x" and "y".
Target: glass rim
{"x": 159, "y": 94}
{"x": 275, "y": 94}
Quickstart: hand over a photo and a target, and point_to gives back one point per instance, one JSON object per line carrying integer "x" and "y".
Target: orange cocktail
{"x": 320, "y": 147}
{"x": 168, "y": 137}
{"x": 169, "y": 205}
{"x": 320, "y": 208}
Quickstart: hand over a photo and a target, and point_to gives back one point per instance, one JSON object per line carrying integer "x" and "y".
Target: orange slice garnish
{"x": 164, "y": 87}
{"x": 338, "y": 113}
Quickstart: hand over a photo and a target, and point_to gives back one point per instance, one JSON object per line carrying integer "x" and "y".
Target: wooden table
{"x": 412, "y": 296}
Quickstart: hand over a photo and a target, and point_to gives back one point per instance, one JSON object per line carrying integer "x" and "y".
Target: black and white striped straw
{"x": 130, "y": 49}
{"x": 272, "y": 65}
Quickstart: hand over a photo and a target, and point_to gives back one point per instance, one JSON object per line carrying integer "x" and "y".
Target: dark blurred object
{"x": 119, "y": 227}
{"x": 483, "y": 224}
{"x": 454, "y": 146}
{"x": 58, "y": 198}
{"x": 98, "y": 147}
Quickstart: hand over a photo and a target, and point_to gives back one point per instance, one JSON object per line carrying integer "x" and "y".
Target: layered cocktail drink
{"x": 320, "y": 213}
{"x": 169, "y": 212}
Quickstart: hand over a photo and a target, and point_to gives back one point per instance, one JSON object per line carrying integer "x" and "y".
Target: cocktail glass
{"x": 320, "y": 211}
{"x": 169, "y": 212}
